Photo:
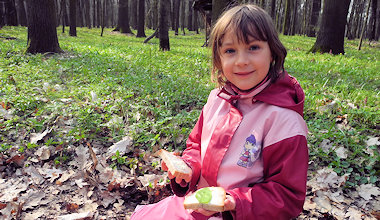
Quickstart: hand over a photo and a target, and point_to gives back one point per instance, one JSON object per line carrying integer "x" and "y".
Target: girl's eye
{"x": 254, "y": 47}
{"x": 229, "y": 51}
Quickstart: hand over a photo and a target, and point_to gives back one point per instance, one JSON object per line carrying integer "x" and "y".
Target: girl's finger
{"x": 170, "y": 175}
{"x": 178, "y": 180}
{"x": 187, "y": 178}
{"x": 163, "y": 166}
{"x": 183, "y": 183}
{"x": 205, "y": 212}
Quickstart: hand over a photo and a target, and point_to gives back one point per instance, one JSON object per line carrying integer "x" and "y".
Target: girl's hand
{"x": 229, "y": 205}
{"x": 181, "y": 179}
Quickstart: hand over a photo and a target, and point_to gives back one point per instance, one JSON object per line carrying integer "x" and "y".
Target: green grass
{"x": 156, "y": 97}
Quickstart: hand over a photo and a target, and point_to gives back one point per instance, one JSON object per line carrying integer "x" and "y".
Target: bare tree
{"x": 312, "y": 28}
{"x": 190, "y": 16}
{"x": 73, "y": 18}
{"x": 330, "y": 38}
{"x": 124, "y": 17}
{"x": 21, "y": 13}
{"x": 288, "y": 14}
{"x": 141, "y": 20}
{"x": 42, "y": 32}
{"x": 10, "y": 13}
{"x": 176, "y": 15}
{"x": 163, "y": 21}
{"x": 373, "y": 21}
{"x": 365, "y": 25}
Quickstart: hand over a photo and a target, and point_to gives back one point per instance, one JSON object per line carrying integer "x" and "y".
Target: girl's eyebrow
{"x": 227, "y": 44}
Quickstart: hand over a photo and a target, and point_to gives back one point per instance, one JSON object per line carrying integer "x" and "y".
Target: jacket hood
{"x": 286, "y": 92}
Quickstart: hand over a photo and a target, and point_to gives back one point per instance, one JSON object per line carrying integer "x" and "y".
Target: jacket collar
{"x": 231, "y": 93}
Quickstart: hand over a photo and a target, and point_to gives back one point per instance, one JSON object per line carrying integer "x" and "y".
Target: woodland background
{"x": 91, "y": 89}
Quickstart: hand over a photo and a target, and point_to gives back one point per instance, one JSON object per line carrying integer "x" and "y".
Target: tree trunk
{"x": 176, "y": 15}
{"x": 133, "y": 14}
{"x": 79, "y": 12}
{"x": 10, "y": 13}
{"x": 141, "y": 20}
{"x": 21, "y": 13}
{"x": 98, "y": 13}
{"x": 351, "y": 27}
{"x": 87, "y": 13}
{"x": 124, "y": 17}
{"x": 373, "y": 20}
{"x": 364, "y": 25}
{"x": 155, "y": 13}
{"x": 73, "y": 18}
{"x": 190, "y": 17}
{"x": 288, "y": 14}
{"x": 273, "y": 10}
{"x": 94, "y": 14}
{"x": 195, "y": 22}
{"x": 183, "y": 16}
{"x": 163, "y": 29}
{"x": 278, "y": 18}
{"x": 295, "y": 29}
{"x": 330, "y": 37}
{"x": 64, "y": 15}
{"x": 42, "y": 32}
{"x": 104, "y": 8}
{"x": 312, "y": 30}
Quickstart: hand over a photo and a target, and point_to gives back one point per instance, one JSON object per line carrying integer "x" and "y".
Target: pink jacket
{"x": 254, "y": 145}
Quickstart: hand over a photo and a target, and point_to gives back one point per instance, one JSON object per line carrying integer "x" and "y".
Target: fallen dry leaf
{"x": 121, "y": 146}
{"x": 35, "y": 137}
{"x": 75, "y": 216}
{"x": 366, "y": 191}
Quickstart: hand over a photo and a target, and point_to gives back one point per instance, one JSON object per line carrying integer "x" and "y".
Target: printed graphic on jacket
{"x": 250, "y": 153}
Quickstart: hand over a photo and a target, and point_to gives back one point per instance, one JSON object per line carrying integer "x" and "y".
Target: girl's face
{"x": 244, "y": 65}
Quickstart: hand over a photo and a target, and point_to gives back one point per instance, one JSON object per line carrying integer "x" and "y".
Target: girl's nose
{"x": 241, "y": 59}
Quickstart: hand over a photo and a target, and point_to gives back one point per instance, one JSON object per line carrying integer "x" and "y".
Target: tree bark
{"x": 73, "y": 18}
{"x": 133, "y": 14}
{"x": 364, "y": 25}
{"x": 155, "y": 14}
{"x": 124, "y": 17}
{"x": 42, "y": 32}
{"x": 21, "y": 13}
{"x": 330, "y": 37}
{"x": 87, "y": 13}
{"x": 195, "y": 22}
{"x": 10, "y": 13}
{"x": 312, "y": 30}
{"x": 373, "y": 20}
{"x": 182, "y": 16}
{"x": 190, "y": 17}
{"x": 288, "y": 14}
{"x": 176, "y": 15}
{"x": 163, "y": 29}
{"x": 273, "y": 10}
{"x": 104, "y": 8}
{"x": 141, "y": 20}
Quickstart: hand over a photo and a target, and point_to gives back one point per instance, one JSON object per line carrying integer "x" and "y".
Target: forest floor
{"x": 89, "y": 189}
{"x": 78, "y": 130}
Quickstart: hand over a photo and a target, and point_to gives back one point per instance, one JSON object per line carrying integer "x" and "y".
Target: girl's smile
{"x": 244, "y": 64}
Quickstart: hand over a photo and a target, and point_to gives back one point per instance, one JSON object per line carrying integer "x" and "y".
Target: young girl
{"x": 250, "y": 137}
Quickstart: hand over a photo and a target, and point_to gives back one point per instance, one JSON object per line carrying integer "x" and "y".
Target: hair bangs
{"x": 247, "y": 27}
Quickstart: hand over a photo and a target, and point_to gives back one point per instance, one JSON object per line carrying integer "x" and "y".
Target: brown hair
{"x": 247, "y": 21}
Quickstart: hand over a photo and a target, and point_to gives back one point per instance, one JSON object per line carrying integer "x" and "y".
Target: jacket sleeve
{"x": 282, "y": 193}
{"x": 192, "y": 156}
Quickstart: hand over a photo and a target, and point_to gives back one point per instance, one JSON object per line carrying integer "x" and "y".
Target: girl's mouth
{"x": 244, "y": 73}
